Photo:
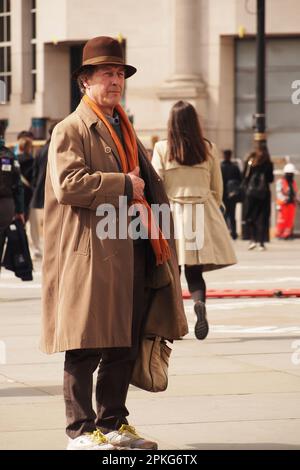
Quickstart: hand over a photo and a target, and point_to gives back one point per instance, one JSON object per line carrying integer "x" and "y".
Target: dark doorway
{"x": 76, "y": 56}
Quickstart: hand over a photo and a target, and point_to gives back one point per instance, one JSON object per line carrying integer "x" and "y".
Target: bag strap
{"x": 25, "y": 182}
{"x": 248, "y": 169}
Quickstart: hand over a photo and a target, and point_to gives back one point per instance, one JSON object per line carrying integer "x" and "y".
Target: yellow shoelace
{"x": 97, "y": 436}
{"x": 126, "y": 428}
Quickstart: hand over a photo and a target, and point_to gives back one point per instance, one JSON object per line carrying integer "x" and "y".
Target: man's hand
{"x": 137, "y": 183}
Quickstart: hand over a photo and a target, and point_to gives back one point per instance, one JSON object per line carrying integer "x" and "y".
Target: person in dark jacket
{"x": 27, "y": 162}
{"x": 22, "y": 135}
{"x": 257, "y": 176}
{"x": 231, "y": 182}
{"x": 11, "y": 191}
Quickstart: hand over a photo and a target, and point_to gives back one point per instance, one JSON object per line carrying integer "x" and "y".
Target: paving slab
{"x": 238, "y": 389}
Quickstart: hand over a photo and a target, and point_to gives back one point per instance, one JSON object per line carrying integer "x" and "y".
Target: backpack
{"x": 257, "y": 187}
{"x": 17, "y": 255}
{"x": 9, "y": 172}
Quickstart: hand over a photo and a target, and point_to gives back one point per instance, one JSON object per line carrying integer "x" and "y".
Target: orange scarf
{"x": 129, "y": 161}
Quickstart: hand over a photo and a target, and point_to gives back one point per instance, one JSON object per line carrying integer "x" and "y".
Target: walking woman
{"x": 258, "y": 174}
{"x": 189, "y": 167}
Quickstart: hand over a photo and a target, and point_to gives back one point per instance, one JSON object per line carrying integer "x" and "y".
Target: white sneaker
{"x": 90, "y": 441}
{"x": 251, "y": 246}
{"x": 127, "y": 437}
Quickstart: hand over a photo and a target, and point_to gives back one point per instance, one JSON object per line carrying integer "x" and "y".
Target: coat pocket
{"x": 82, "y": 239}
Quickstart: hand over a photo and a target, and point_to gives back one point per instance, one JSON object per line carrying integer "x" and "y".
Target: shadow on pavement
{"x": 52, "y": 390}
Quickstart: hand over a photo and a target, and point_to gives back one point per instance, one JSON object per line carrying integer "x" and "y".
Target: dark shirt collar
{"x": 114, "y": 120}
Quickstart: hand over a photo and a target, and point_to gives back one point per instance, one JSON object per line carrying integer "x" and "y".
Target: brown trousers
{"x": 114, "y": 365}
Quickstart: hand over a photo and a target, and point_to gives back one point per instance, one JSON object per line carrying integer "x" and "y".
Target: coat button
{"x": 107, "y": 150}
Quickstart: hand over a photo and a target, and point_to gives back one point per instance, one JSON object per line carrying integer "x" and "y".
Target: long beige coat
{"x": 195, "y": 193}
{"x": 88, "y": 282}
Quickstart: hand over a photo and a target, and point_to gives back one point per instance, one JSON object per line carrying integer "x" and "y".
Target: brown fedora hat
{"x": 104, "y": 50}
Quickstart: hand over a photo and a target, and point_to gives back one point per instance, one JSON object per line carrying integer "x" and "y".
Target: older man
{"x": 101, "y": 294}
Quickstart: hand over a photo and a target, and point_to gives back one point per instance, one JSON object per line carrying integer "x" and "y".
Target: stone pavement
{"x": 238, "y": 389}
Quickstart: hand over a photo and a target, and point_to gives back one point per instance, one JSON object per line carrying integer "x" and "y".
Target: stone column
{"x": 185, "y": 81}
{"x": 20, "y": 107}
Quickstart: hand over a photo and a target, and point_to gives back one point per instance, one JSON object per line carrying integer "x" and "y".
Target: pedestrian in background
{"x": 11, "y": 190}
{"x": 26, "y": 161}
{"x": 257, "y": 176}
{"x": 22, "y": 135}
{"x": 189, "y": 167}
{"x": 39, "y": 173}
{"x": 231, "y": 190}
{"x": 287, "y": 197}
{"x": 38, "y": 196}
{"x": 99, "y": 294}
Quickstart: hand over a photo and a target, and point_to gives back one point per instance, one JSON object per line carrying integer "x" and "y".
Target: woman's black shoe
{"x": 201, "y": 327}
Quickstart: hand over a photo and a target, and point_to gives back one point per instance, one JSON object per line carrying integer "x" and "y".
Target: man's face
{"x": 106, "y": 86}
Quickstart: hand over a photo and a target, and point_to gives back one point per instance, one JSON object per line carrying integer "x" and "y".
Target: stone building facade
{"x": 199, "y": 50}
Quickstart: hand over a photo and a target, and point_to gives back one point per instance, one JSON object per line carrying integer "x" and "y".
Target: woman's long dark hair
{"x": 186, "y": 143}
{"x": 260, "y": 155}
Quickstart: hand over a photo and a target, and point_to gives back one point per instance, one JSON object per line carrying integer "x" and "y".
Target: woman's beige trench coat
{"x": 88, "y": 281}
{"x": 199, "y": 185}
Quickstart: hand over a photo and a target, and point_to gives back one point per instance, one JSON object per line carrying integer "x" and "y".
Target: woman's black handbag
{"x": 257, "y": 187}
{"x": 254, "y": 186}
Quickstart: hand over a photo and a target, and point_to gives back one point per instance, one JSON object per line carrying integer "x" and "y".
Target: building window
{"x": 5, "y": 52}
{"x": 33, "y": 48}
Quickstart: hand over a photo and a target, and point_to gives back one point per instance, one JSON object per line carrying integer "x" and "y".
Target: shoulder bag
{"x": 151, "y": 367}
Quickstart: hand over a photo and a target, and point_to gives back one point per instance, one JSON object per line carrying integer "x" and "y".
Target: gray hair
{"x": 86, "y": 72}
